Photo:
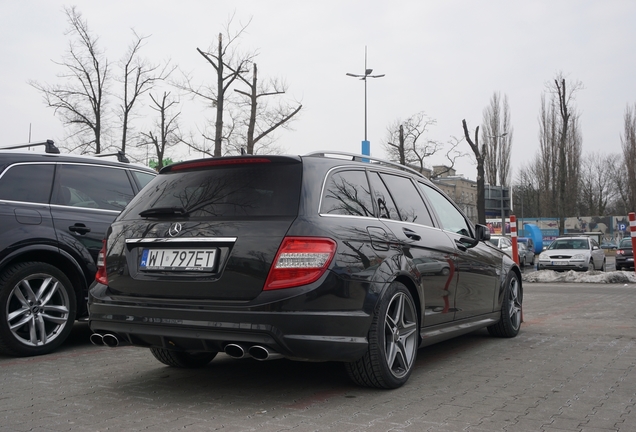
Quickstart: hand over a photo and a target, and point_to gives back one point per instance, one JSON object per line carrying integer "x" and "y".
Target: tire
{"x": 182, "y": 359}
{"x": 393, "y": 342}
{"x": 522, "y": 263}
{"x": 603, "y": 266}
{"x": 37, "y": 307}
{"x": 590, "y": 266}
{"x": 510, "y": 322}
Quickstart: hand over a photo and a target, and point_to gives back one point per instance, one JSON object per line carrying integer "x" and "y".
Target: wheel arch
{"x": 415, "y": 293}
{"x": 59, "y": 259}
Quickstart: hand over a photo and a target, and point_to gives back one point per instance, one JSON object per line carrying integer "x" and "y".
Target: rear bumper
{"x": 300, "y": 335}
{"x": 625, "y": 262}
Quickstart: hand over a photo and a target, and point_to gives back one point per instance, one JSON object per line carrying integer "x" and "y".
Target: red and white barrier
{"x": 632, "y": 229}
{"x": 513, "y": 235}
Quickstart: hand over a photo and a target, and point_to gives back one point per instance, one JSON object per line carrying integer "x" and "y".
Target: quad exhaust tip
{"x": 97, "y": 339}
{"x": 108, "y": 339}
{"x": 262, "y": 353}
{"x": 236, "y": 351}
{"x": 258, "y": 352}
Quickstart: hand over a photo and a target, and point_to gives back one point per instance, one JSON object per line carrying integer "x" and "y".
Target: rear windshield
{"x": 224, "y": 192}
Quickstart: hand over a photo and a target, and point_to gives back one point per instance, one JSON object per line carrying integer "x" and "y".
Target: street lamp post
{"x": 366, "y": 145}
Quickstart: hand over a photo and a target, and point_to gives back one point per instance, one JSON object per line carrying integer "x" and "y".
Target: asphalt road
{"x": 572, "y": 368}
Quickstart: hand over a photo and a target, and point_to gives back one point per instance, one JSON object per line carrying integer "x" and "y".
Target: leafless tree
{"x": 496, "y": 134}
{"x": 528, "y": 189}
{"x": 166, "y": 131}
{"x": 479, "y": 157}
{"x": 228, "y": 64}
{"x": 620, "y": 205}
{"x": 81, "y": 98}
{"x": 597, "y": 188}
{"x": 263, "y": 119}
{"x": 560, "y": 147}
{"x": 628, "y": 141}
{"x": 138, "y": 77}
{"x": 406, "y": 142}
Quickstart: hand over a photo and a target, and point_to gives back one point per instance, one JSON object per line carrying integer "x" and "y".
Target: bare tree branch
{"x": 80, "y": 100}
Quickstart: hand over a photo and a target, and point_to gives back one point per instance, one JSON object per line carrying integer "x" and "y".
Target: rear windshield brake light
{"x": 215, "y": 162}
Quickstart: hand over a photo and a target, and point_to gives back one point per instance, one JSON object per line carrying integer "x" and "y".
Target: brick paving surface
{"x": 572, "y": 368}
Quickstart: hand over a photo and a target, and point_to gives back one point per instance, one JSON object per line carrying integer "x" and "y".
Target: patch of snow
{"x": 613, "y": 277}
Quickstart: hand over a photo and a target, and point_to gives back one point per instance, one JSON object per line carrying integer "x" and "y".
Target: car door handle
{"x": 411, "y": 234}
{"x": 79, "y": 229}
{"x": 461, "y": 246}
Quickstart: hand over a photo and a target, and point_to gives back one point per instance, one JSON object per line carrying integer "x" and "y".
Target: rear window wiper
{"x": 164, "y": 211}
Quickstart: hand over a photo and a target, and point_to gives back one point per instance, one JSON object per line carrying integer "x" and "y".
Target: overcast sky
{"x": 445, "y": 58}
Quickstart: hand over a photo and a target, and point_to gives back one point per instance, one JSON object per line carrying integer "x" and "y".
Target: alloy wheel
{"x": 37, "y": 310}
{"x": 514, "y": 307}
{"x": 400, "y": 332}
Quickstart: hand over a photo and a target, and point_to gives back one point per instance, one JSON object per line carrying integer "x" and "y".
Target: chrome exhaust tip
{"x": 262, "y": 353}
{"x": 110, "y": 340}
{"x": 236, "y": 351}
{"x": 97, "y": 339}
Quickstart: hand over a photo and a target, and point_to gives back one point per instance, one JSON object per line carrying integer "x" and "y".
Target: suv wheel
{"x": 393, "y": 342}
{"x": 510, "y": 322}
{"x": 182, "y": 359}
{"x": 37, "y": 309}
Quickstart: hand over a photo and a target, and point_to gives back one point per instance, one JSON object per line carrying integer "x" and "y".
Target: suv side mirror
{"x": 482, "y": 232}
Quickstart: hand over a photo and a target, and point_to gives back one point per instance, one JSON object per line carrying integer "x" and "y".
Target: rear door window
{"x": 382, "y": 198}
{"x": 410, "y": 206}
{"x": 27, "y": 183}
{"x": 91, "y": 186}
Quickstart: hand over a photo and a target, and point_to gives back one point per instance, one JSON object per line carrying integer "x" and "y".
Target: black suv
{"x": 315, "y": 258}
{"x": 54, "y": 212}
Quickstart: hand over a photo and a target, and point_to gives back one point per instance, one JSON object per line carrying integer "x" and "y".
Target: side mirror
{"x": 482, "y": 232}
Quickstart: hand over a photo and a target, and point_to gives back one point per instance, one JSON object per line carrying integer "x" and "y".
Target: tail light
{"x": 101, "y": 275}
{"x": 300, "y": 261}
{"x": 620, "y": 252}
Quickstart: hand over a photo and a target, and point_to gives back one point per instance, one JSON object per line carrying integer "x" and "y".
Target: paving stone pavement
{"x": 572, "y": 368}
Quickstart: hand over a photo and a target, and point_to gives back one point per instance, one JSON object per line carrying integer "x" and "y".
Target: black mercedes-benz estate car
{"x": 54, "y": 212}
{"x": 315, "y": 258}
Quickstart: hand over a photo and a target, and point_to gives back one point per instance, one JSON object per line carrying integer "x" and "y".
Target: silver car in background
{"x": 572, "y": 253}
{"x": 526, "y": 256}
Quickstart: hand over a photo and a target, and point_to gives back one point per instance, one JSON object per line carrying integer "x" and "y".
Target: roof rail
{"x": 121, "y": 157}
{"x": 364, "y": 158}
{"x": 49, "y": 146}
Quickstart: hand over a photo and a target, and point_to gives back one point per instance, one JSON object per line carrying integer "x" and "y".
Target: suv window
{"x": 382, "y": 197}
{"x": 27, "y": 183}
{"x": 92, "y": 187}
{"x": 450, "y": 218}
{"x": 143, "y": 178}
{"x": 347, "y": 193}
{"x": 245, "y": 191}
{"x": 409, "y": 203}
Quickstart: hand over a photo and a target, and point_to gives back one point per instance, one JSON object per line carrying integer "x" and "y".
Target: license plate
{"x": 178, "y": 259}
{"x": 560, "y": 263}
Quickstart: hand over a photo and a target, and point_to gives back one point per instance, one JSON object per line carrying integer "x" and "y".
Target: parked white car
{"x": 572, "y": 253}
{"x": 502, "y": 242}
